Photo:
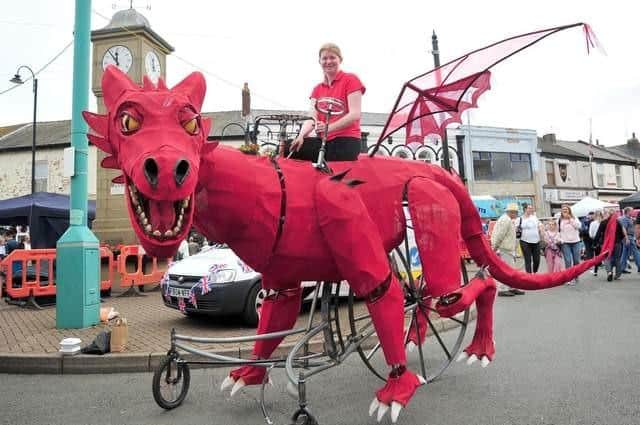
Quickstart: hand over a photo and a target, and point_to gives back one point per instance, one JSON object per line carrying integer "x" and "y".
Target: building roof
{"x": 582, "y": 150}
{"x": 48, "y": 133}
{"x": 631, "y": 148}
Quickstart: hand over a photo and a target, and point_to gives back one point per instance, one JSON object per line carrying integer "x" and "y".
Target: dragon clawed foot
{"x": 482, "y": 348}
{"x": 396, "y": 394}
{"x": 471, "y": 359}
{"x": 243, "y": 376}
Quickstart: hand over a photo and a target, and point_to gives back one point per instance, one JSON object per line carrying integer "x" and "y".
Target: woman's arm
{"x": 306, "y": 128}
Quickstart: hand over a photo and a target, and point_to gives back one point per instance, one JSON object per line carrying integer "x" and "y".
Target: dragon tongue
{"x": 162, "y": 215}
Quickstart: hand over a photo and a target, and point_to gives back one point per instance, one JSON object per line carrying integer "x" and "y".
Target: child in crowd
{"x": 552, "y": 252}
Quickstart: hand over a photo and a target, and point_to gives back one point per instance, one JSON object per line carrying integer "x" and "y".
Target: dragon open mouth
{"x": 161, "y": 220}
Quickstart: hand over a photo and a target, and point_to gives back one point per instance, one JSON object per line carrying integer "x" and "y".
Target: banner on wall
{"x": 494, "y": 208}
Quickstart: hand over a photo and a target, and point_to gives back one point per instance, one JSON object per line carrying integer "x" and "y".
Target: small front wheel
{"x": 171, "y": 382}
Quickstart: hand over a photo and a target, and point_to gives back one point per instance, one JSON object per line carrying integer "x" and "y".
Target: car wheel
{"x": 253, "y": 304}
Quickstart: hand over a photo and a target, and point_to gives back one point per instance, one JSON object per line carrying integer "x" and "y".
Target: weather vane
{"x": 115, "y": 4}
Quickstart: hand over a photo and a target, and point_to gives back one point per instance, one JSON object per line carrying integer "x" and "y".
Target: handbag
{"x": 519, "y": 229}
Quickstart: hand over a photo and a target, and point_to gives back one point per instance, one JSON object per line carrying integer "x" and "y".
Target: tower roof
{"x": 128, "y": 18}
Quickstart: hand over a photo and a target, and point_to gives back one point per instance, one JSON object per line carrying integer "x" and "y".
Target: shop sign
{"x": 572, "y": 195}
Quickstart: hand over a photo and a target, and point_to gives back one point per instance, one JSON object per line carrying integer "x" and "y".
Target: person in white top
{"x": 569, "y": 228}
{"x": 530, "y": 227}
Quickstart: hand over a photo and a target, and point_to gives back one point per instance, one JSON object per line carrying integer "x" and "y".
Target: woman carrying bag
{"x": 530, "y": 239}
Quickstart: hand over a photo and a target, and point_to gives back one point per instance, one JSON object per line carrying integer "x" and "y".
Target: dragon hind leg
{"x": 279, "y": 312}
{"x": 359, "y": 255}
{"x": 482, "y": 290}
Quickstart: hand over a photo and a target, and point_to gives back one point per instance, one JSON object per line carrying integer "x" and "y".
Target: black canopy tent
{"x": 632, "y": 201}
{"x": 50, "y": 216}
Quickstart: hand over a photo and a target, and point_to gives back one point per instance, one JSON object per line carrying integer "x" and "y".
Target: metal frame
{"x": 300, "y": 364}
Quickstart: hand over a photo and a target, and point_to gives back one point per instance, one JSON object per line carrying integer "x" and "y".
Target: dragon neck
{"x": 238, "y": 202}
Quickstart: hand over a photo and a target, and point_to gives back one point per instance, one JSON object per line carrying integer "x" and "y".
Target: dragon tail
{"x": 484, "y": 256}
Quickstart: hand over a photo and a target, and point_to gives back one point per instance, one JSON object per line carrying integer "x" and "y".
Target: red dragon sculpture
{"x": 293, "y": 223}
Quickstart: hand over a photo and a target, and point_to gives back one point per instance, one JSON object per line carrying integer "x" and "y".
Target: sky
{"x": 553, "y": 87}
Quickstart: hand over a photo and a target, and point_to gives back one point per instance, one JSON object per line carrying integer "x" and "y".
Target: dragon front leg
{"x": 359, "y": 254}
{"x": 279, "y": 312}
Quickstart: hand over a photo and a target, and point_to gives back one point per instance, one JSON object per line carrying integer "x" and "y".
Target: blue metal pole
{"x": 78, "y": 255}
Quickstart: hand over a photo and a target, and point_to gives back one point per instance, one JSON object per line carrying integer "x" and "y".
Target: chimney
{"x": 633, "y": 140}
{"x": 246, "y": 100}
{"x": 549, "y": 138}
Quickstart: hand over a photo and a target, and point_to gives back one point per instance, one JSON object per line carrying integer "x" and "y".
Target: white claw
{"x": 228, "y": 381}
{"x": 293, "y": 391}
{"x": 382, "y": 409}
{"x": 485, "y": 361}
{"x": 373, "y": 406}
{"x": 411, "y": 346}
{"x": 462, "y": 356}
{"x": 471, "y": 360}
{"x": 421, "y": 380}
{"x": 395, "y": 411}
{"x": 237, "y": 386}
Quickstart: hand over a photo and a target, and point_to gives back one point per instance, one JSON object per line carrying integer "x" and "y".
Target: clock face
{"x": 152, "y": 66}
{"x": 119, "y": 56}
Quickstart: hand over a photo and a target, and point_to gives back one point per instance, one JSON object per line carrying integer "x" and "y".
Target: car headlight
{"x": 223, "y": 276}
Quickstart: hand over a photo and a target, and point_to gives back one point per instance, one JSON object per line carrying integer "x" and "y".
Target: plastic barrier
{"x": 35, "y": 268}
{"x": 138, "y": 277}
{"x": 105, "y": 252}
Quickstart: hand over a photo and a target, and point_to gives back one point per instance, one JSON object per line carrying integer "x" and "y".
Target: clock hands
{"x": 115, "y": 58}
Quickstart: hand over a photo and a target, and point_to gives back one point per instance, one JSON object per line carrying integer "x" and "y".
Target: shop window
{"x": 501, "y": 166}
{"x": 551, "y": 175}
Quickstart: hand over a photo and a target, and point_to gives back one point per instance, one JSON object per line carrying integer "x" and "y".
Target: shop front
{"x": 555, "y": 198}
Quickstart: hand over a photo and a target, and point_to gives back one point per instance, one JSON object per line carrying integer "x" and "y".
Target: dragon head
{"x": 154, "y": 135}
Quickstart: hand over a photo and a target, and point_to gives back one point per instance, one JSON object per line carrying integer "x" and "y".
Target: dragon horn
{"x": 98, "y": 123}
{"x": 147, "y": 84}
{"x": 114, "y": 84}
{"x": 100, "y": 142}
{"x": 110, "y": 162}
{"x": 162, "y": 85}
{"x": 194, "y": 86}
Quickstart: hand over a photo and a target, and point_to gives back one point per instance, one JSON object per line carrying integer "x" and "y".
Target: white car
{"x": 217, "y": 282}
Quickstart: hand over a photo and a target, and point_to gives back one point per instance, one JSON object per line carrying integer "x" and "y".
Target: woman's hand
{"x": 321, "y": 127}
{"x": 296, "y": 144}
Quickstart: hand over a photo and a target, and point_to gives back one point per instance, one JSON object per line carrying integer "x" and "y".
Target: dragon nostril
{"x": 151, "y": 171}
{"x": 181, "y": 171}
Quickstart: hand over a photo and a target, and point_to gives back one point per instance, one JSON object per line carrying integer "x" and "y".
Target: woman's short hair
{"x": 331, "y": 47}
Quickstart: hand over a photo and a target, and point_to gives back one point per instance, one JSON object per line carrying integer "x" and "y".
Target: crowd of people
{"x": 564, "y": 241}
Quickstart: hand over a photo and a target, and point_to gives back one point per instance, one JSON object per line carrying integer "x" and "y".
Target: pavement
{"x": 29, "y": 339}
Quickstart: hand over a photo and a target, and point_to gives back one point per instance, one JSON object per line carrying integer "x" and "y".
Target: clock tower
{"x": 129, "y": 43}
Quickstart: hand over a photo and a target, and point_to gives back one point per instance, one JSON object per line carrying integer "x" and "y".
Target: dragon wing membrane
{"x": 429, "y": 102}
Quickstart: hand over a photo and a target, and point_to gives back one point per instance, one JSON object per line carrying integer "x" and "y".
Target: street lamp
{"x": 18, "y": 80}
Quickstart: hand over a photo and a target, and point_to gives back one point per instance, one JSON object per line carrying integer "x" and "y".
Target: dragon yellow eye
{"x": 129, "y": 124}
{"x": 191, "y": 126}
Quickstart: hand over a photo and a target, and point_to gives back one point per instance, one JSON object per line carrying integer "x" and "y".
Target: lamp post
{"x": 18, "y": 80}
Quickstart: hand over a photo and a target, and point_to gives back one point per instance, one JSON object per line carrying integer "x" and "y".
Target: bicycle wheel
{"x": 439, "y": 348}
{"x": 171, "y": 382}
